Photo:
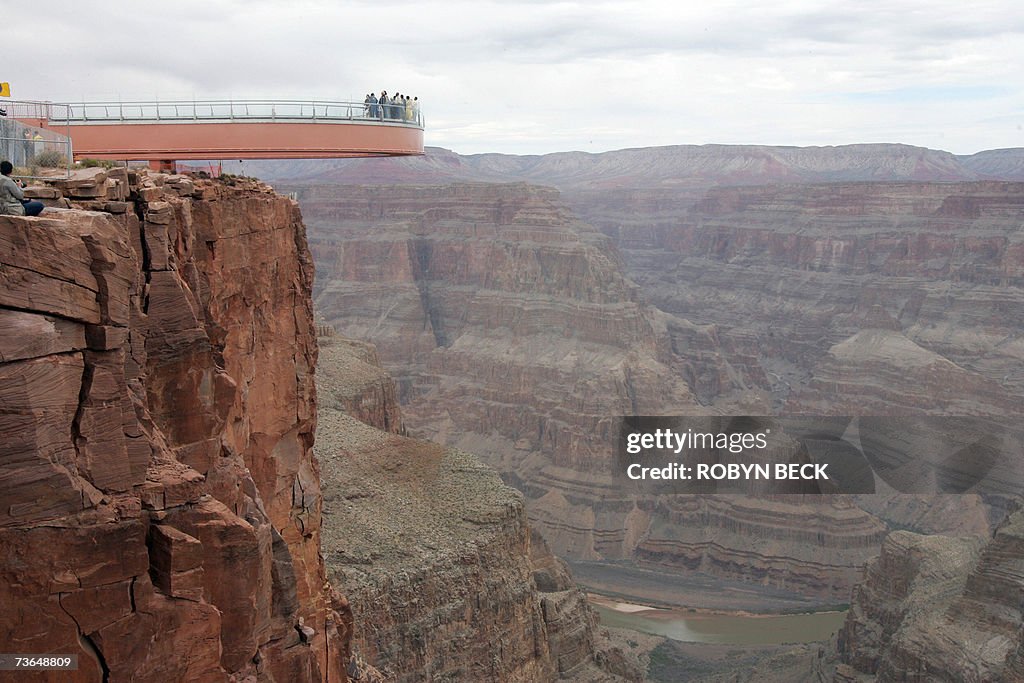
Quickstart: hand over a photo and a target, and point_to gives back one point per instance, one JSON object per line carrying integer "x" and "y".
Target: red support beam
{"x": 191, "y": 140}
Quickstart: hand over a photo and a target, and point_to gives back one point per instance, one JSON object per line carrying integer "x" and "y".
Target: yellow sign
{"x": 5, "y": 89}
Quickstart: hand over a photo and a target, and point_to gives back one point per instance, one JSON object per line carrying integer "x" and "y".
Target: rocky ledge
{"x": 938, "y": 608}
{"x": 445, "y": 578}
{"x": 160, "y": 512}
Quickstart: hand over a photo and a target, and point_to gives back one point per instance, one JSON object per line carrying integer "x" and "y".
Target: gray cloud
{"x": 533, "y": 77}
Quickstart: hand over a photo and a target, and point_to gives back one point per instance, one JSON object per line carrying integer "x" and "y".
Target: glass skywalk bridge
{"x": 229, "y": 129}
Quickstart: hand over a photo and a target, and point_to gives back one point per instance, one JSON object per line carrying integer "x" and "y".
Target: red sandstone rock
{"x": 159, "y": 505}
{"x": 176, "y": 561}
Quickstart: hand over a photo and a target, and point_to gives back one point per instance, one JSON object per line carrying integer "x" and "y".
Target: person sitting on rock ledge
{"x": 12, "y": 199}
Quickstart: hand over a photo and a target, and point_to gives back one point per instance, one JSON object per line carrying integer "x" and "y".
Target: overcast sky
{"x": 537, "y": 77}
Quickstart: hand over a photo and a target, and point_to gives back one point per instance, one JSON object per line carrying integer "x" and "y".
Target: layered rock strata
{"x": 674, "y": 168}
{"x": 774, "y": 255}
{"x": 805, "y": 545}
{"x": 496, "y": 301}
{"x": 938, "y": 609}
{"x": 160, "y": 511}
{"x": 827, "y": 294}
{"x": 512, "y": 333}
{"x": 828, "y": 280}
{"x": 445, "y": 578}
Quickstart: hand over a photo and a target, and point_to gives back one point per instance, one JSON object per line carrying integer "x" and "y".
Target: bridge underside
{"x": 205, "y": 140}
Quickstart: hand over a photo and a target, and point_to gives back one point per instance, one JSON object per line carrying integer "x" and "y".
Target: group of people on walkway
{"x": 12, "y": 199}
{"x": 397, "y": 107}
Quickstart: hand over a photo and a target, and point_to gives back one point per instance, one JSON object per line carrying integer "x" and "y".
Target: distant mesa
{"x": 679, "y": 168}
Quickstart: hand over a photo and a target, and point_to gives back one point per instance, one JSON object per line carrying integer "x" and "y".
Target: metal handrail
{"x": 229, "y": 110}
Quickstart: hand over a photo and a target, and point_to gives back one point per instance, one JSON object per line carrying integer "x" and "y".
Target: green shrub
{"x": 49, "y": 159}
{"x": 93, "y": 163}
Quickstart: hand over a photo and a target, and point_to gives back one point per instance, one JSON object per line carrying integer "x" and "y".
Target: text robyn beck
{"x": 723, "y": 471}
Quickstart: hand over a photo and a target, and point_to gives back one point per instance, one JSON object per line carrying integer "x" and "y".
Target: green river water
{"x": 733, "y": 629}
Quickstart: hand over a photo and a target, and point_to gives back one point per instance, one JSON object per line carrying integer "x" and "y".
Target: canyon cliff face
{"x": 854, "y": 298}
{"x": 161, "y": 503}
{"x": 937, "y": 608}
{"x": 768, "y": 257}
{"x": 445, "y": 578}
{"x": 496, "y": 295}
{"x": 512, "y": 333}
{"x": 785, "y": 272}
{"x": 815, "y": 281}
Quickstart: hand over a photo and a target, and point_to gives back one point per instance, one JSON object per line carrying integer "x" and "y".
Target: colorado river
{"x": 734, "y": 629}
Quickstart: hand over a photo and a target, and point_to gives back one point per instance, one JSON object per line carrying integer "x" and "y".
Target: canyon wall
{"x": 850, "y": 292}
{"x": 673, "y": 168}
{"x": 160, "y": 511}
{"x": 774, "y": 260}
{"x": 512, "y": 333}
{"x": 445, "y": 578}
{"x": 768, "y": 257}
{"x": 938, "y": 608}
{"x": 495, "y": 295}
{"x": 868, "y": 279}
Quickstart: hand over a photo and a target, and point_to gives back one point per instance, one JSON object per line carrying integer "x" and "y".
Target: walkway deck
{"x": 247, "y": 129}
